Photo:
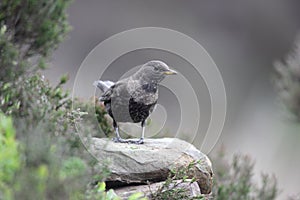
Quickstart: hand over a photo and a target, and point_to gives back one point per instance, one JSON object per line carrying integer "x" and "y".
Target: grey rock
{"x": 152, "y": 161}
{"x": 192, "y": 189}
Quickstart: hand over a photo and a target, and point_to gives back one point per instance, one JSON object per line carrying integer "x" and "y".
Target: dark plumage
{"x": 133, "y": 99}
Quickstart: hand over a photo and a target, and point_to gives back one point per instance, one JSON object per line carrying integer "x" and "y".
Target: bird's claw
{"x": 140, "y": 141}
{"x": 119, "y": 140}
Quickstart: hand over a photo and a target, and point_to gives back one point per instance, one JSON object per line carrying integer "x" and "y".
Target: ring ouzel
{"x": 133, "y": 99}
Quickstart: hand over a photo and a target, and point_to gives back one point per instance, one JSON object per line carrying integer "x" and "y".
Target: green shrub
{"x": 48, "y": 160}
{"x": 95, "y": 116}
{"x": 170, "y": 189}
{"x": 287, "y": 80}
{"x": 36, "y": 27}
{"x": 9, "y": 156}
{"x": 233, "y": 180}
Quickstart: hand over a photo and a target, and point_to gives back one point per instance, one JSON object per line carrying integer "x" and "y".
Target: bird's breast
{"x": 139, "y": 111}
{"x": 144, "y": 97}
{"x": 149, "y": 88}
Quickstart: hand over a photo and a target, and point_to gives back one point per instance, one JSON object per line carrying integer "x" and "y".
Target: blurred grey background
{"x": 244, "y": 38}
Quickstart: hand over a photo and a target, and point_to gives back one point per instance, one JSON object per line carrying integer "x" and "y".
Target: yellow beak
{"x": 170, "y": 72}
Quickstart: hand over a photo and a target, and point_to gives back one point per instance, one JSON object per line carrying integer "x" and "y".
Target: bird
{"x": 133, "y": 99}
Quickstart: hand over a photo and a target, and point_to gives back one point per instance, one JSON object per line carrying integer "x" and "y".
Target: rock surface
{"x": 192, "y": 189}
{"x": 151, "y": 161}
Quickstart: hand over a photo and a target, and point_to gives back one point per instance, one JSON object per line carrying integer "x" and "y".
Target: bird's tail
{"x": 103, "y": 85}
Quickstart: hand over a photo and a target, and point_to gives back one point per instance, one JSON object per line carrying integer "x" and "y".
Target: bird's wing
{"x": 103, "y": 85}
{"x": 115, "y": 90}
{"x": 106, "y": 96}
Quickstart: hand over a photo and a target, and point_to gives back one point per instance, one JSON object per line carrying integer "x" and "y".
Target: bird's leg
{"x": 118, "y": 137}
{"x": 121, "y": 140}
{"x": 141, "y": 140}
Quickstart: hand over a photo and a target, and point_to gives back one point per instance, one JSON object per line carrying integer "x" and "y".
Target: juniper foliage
{"x": 287, "y": 80}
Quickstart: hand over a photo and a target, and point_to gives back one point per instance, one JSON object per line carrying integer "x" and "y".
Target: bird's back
{"x": 130, "y": 101}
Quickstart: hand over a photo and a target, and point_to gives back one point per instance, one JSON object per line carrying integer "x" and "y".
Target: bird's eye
{"x": 156, "y": 69}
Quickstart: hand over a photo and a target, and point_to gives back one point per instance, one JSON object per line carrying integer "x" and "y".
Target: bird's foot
{"x": 129, "y": 141}
{"x": 119, "y": 140}
{"x": 140, "y": 141}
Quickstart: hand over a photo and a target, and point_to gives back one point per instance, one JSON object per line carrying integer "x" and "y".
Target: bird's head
{"x": 155, "y": 71}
